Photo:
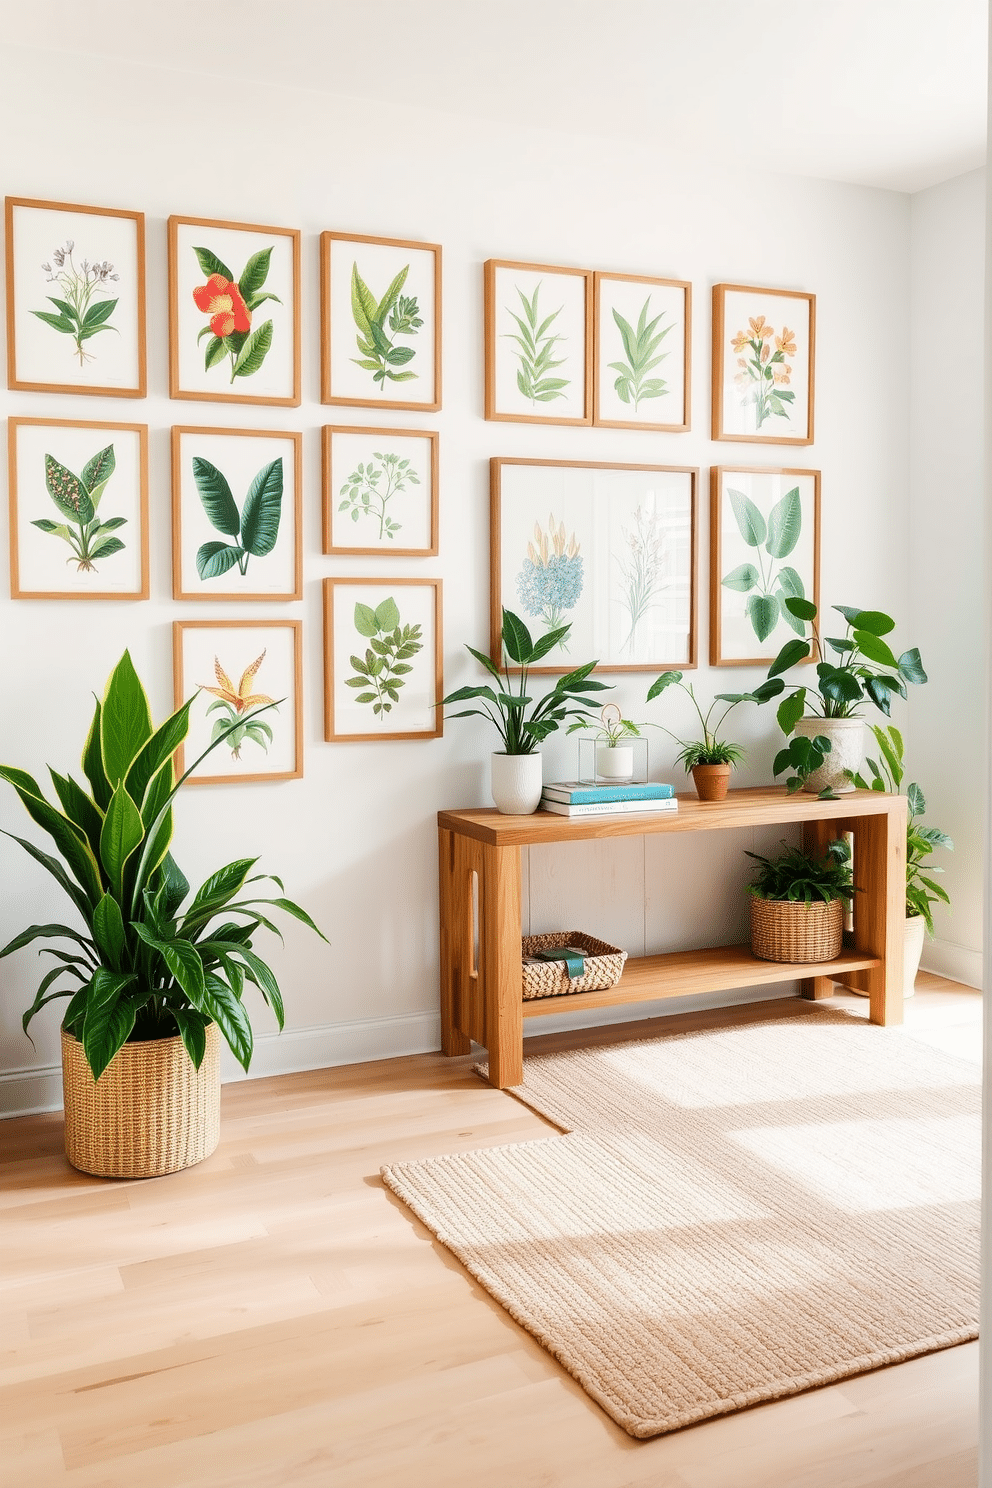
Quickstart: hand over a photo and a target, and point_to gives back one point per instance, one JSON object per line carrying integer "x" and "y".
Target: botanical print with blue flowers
{"x": 549, "y": 583}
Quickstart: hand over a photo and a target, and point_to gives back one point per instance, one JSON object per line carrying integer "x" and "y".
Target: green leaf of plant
{"x": 658, "y": 686}
{"x": 182, "y": 959}
{"x": 387, "y": 616}
{"x": 763, "y": 612}
{"x": 871, "y": 620}
{"x": 791, "y": 653}
{"x": 875, "y": 649}
{"x": 67, "y": 491}
{"x": 742, "y": 578}
{"x": 216, "y": 558}
{"x": 51, "y": 932}
{"x": 790, "y": 710}
{"x": 79, "y": 808}
{"x": 123, "y": 832}
{"x": 262, "y": 510}
{"x": 253, "y": 353}
{"x": 255, "y": 273}
{"x": 69, "y": 839}
{"x": 154, "y": 753}
{"x": 125, "y": 720}
{"x": 211, "y": 264}
{"x": 750, "y": 522}
{"x": 107, "y": 547}
{"x": 109, "y": 1018}
{"x": 97, "y": 472}
{"x": 98, "y": 313}
{"x": 220, "y": 1004}
{"x": 216, "y": 891}
{"x": 915, "y": 800}
{"x": 363, "y": 304}
{"x": 192, "y": 1027}
{"x": 44, "y": 525}
{"x": 785, "y": 522}
{"x": 216, "y": 497}
{"x": 108, "y": 931}
{"x": 911, "y": 667}
{"x": 390, "y": 297}
{"x": 517, "y": 639}
{"x": 216, "y": 352}
{"x": 57, "y": 322}
{"x": 365, "y": 624}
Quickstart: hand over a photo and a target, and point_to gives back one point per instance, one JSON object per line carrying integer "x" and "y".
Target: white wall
{"x": 946, "y": 519}
{"x": 355, "y": 839}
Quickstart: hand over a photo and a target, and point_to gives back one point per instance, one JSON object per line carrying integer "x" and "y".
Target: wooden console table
{"x": 481, "y": 996}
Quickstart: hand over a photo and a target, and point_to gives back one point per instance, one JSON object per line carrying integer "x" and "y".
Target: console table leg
{"x": 453, "y": 1040}
{"x": 499, "y": 963}
{"x": 880, "y": 907}
{"x": 814, "y": 989}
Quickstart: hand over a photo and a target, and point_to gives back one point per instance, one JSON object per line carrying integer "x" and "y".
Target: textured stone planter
{"x": 847, "y": 752}
{"x": 516, "y": 783}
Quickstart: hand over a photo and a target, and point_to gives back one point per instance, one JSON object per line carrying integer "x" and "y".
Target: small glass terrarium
{"x": 615, "y": 753}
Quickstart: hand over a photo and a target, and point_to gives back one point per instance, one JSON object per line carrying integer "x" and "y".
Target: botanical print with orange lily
{"x": 237, "y": 706}
{"x": 230, "y": 305}
{"x": 763, "y": 378}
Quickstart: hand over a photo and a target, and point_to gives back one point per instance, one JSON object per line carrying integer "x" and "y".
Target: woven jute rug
{"x": 733, "y": 1216}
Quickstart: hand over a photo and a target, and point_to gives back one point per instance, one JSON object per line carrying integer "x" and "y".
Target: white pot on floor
{"x": 847, "y": 752}
{"x": 516, "y": 783}
{"x": 916, "y": 930}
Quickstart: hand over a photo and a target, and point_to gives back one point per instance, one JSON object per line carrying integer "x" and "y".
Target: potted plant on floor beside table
{"x": 797, "y": 903}
{"x": 522, "y": 721}
{"x": 710, "y": 759}
{"x": 153, "y": 980}
{"x": 922, "y": 893}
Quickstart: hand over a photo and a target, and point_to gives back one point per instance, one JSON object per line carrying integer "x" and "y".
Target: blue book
{"x": 578, "y": 792}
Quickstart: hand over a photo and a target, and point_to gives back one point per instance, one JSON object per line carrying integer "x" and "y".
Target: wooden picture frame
{"x": 364, "y": 449}
{"x": 613, "y": 391}
{"x": 348, "y": 349}
{"x": 754, "y": 367}
{"x": 342, "y": 639}
{"x": 29, "y": 451}
{"x": 506, "y": 399}
{"x": 577, "y": 541}
{"x": 190, "y": 538}
{"x": 234, "y": 653}
{"x": 76, "y": 313}
{"x": 735, "y": 531}
{"x": 204, "y": 367}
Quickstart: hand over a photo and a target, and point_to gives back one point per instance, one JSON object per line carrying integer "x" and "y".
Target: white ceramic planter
{"x": 615, "y": 762}
{"x": 516, "y": 783}
{"x": 912, "y": 951}
{"x": 847, "y": 739}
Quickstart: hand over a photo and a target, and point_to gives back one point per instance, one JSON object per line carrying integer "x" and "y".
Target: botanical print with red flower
{"x": 764, "y": 370}
{"x": 235, "y": 342}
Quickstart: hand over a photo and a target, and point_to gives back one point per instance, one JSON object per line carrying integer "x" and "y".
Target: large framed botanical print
{"x": 609, "y": 549}
{"x": 763, "y": 358}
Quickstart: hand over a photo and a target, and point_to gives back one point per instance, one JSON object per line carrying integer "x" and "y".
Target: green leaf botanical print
{"x": 386, "y": 664}
{"x": 767, "y": 587}
{"x": 369, "y": 489}
{"x": 255, "y": 527}
{"x": 536, "y": 347}
{"x": 78, "y": 313}
{"x": 231, "y": 305}
{"x": 76, "y": 498}
{"x": 237, "y": 707}
{"x": 379, "y": 322}
{"x": 762, "y": 380}
{"x": 640, "y": 346}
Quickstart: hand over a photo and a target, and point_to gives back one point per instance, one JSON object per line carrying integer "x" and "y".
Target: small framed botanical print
{"x": 610, "y": 550}
{"x": 764, "y": 549}
{"x": 234, "y": 312}
{"x": 763, "y": 347}
{"x": 642, "y": 362}
{"x": 380, "y": 338}
{"x": 78, "y": 509}
{"x": 75, "y": 299}
{"x": 247, "y": 677}
{"x": 236, "y": 514}
{"x": 539, "y": 335}
{"x": 382, "y": 659}
{"x": 380, "y": 491}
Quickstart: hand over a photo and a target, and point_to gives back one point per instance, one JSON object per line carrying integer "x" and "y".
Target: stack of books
{"x": 582, "y": 798}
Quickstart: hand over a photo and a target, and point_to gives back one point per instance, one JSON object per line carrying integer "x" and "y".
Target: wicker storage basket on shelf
{"x": 603, "y": 966}
{"x": 785, "y": 931}
{"x": 149, "y": 1113}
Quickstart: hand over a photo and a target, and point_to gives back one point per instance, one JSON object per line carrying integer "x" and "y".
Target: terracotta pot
{"x": 711, "y": 781}
{"x": 517, "y": 781}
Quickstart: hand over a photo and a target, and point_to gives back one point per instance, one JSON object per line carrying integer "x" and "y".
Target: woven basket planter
{"x": 785, "y": 931}
{"x": 149, "y": 1113}
{"x": 603, "y": 966}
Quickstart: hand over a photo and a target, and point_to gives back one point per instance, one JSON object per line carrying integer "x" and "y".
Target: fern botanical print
{"x": 537, "y": 343}
{"x": 382, "y": 671}
{"x": 77, "y": 497}
{"x": 380, "y": 323}
{"x": 640, "y": 345}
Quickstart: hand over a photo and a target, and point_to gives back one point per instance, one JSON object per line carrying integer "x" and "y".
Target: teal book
{"x": 585, "y": 793}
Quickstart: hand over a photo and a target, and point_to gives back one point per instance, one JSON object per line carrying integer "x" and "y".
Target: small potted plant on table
{"x": 710, "y": 759}
{"x": 516, "y": 768}
{"x": 614, "y": 749}
{"x": 797, "y": 903}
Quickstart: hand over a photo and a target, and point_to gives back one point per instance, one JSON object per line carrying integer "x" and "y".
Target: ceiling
{"x": 888, "y": 93}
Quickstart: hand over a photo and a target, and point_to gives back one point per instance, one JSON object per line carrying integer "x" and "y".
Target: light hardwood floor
{"x": 274, "y": 1318}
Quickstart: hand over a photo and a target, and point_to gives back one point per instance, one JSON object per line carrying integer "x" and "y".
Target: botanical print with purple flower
{"x": 550, "y": 580}
{"x": 78, "y": 312}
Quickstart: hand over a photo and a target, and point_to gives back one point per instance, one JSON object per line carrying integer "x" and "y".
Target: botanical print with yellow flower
{"x": 763, "y": 376}
{"x": 237, "y": 707}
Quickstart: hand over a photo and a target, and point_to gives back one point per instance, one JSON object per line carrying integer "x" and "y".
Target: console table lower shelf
{"x": 480, "y": 916}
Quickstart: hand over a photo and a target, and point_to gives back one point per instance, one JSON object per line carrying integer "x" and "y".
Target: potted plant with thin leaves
{"x": 710, "y": 759}
{"x": 522, "y": 721}
{"x": 154, "y": 978}
{"x": 612, "y": 734}
{"x": 922, "y": 892}
{"x": 864, "y": 671}
{"x": 797, "y": 903}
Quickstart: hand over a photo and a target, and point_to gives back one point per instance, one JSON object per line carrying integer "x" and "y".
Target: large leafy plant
{"x": 801, "y": 877}
{"x": 888, "y": 773}
{"x": 506, "y": 705}
{"x": 149, "y": 961}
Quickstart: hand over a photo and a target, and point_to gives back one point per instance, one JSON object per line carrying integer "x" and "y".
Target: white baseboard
{"x": 25, "y": 1092}
{"x": 958, "y": 962}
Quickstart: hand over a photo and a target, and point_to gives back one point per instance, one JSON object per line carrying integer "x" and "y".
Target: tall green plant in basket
{"x": 149, "y": 961}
